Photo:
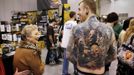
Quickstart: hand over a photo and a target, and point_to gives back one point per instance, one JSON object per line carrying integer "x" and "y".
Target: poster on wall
{"x": 48, "y": 4}
{"x": 53, "y": 14}
{"x": 2, "y": 28}
{"x": 66, "y": 12}
{"x": 54, "y": 3}
{"x": 8, "y": 28}
{"x": 123, "y": 16}
{"x": 42, "y": 21}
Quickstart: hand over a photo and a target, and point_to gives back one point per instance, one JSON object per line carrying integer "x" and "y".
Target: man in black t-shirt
{"x": 50, "y": 43}
{"x": 50, "y": 36}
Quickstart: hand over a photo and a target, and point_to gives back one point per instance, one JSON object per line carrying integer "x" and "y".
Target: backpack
{"x": 53, "y": 55}
{"x": 126, "y": 54}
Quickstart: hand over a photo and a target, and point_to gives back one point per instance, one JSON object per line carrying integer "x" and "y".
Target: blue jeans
{"x": 65, "y": 64}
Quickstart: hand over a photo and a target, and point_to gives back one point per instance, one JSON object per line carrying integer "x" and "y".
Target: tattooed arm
{"x": 112, "y": 52}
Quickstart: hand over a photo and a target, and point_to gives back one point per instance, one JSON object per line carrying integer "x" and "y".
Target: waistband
{"x": 83, "y": 73}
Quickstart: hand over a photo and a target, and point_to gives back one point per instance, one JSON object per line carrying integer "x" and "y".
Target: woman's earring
{"x": 86, "y": 13}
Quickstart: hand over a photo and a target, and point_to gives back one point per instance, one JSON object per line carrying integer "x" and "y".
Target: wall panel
{"x": 8, "y": 6}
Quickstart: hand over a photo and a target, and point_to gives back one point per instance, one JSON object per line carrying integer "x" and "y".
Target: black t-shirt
{"x": 50, "y": 31}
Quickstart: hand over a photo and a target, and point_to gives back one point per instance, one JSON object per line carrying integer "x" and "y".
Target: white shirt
{"x": 67, "y": 31}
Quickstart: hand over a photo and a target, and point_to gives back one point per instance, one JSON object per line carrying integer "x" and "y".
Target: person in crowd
{"x": 113, "y": 19}
{"x": 92, "y": 42}
{"x": 122, "y": 33}
{"x": 130, "y": 30}
{"x": 50, "y": 42}
{"x": 66, "y": 34}
{"x": 27, "y": 56}
{"x": 126, "y": 52}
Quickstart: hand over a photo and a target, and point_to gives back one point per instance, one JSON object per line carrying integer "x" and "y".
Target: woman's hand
{"x": 25, "y": 72}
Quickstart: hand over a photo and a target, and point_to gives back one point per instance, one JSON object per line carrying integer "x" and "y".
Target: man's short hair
{"x": 91, "y": 4}
{"x": 72, "y": 14}
{"x": 112, "y": 17}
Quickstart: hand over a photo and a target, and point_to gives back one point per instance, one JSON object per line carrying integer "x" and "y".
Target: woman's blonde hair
{"x": 27, "y": 30}
{"x": 130, "y": 30}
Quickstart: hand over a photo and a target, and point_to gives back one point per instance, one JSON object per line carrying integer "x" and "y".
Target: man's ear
{"x": 86, "y": 13}
{"x": 87, "y": 9}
